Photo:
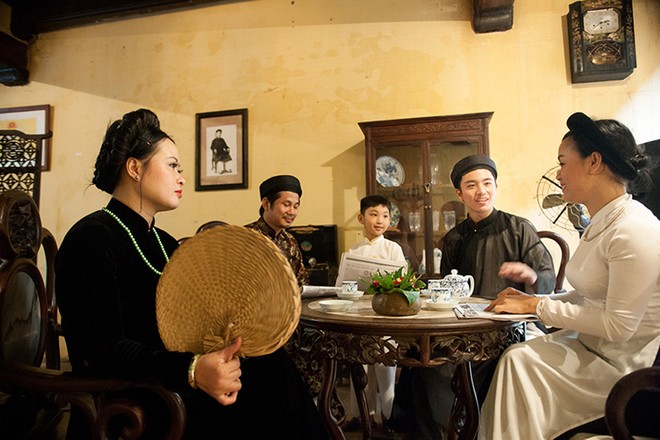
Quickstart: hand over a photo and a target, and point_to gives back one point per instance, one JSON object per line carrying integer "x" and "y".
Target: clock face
{"x": 601, "y": 21}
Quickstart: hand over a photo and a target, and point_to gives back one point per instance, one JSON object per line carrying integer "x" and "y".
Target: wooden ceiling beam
{"x": 32, "y": 17}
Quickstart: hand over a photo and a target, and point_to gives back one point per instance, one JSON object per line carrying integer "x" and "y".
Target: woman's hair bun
{"x": 639, "y": 161}
{"x": 136, "y": 135}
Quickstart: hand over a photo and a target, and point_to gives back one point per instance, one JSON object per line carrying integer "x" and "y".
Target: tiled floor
{"x": 377, "y": 433}
{"x": 343, "y": 390}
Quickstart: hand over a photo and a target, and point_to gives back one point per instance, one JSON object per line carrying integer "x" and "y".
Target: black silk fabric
{"x": 480, "y": 249}
{"x": 107, "y": 298}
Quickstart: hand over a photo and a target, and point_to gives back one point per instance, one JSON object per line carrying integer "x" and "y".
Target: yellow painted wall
{"x": 308, "y": 71}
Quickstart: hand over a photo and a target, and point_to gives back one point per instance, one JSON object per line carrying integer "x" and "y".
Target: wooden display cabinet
{"x": 409, "y": 161}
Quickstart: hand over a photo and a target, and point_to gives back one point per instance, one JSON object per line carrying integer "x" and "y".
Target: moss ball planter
{"x": 396, "y": 303}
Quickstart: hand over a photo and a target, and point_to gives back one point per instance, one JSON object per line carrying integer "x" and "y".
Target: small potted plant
{"x": 396, "y": 293}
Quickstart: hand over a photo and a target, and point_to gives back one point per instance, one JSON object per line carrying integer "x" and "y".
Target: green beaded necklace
{"x": 130, "y": 234}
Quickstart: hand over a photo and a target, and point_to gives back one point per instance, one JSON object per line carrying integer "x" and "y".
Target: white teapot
{"x": 461, "y": 286}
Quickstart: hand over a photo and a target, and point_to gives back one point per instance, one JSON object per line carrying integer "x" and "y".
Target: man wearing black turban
{"x": 499, "y": 250}
{"x": 280, "y": 199}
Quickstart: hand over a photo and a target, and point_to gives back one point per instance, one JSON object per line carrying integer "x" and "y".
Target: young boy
{"x": 375, "y": 217}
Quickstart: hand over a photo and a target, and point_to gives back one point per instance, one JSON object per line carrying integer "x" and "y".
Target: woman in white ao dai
{"x": 610, "y": 321}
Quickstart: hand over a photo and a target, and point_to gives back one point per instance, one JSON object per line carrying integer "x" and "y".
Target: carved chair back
{"x": 28, "y": 314}
{"x": 207, "y": 225}
{"x": 631, "y": 407}
{"x": 20, "y": 161}
{"x": 29, "y": 332}
{"x": 565, "y": 256}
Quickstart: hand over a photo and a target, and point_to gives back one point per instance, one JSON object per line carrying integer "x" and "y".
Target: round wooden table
{"x": 430, "y": 338}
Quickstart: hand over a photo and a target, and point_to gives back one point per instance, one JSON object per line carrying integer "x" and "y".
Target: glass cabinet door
{"x": 400, "y": 179}
{"x": 409, "y": 161}
{"x": 445, "y": 208}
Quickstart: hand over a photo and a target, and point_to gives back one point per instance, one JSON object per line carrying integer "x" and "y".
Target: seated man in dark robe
{"x": 499, "y": 250}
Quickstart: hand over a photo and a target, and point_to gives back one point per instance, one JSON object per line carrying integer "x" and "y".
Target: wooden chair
{"x": 630, "y": 409}
{"x": 29, "y": 333}
{"x": 632, "y": 405}
{"x": 20, "y": 161}
{"x": 207, "y": 225}
{"x": 565, "y": 256}
{"x": 211, "y": 224}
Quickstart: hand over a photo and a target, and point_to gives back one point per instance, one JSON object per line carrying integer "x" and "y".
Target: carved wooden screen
{"x": 20, "y": 161}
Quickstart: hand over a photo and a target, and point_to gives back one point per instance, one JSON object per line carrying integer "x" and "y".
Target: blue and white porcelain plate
{"x": 389, "y": 171}
{"x": 395, "y": 215}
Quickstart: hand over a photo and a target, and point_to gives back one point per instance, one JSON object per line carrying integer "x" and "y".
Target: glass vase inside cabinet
{"x": 408, "y": 161}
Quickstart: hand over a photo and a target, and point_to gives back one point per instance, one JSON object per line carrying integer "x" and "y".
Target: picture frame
{"x": 221, "y": 156}
{"x": 33, "y": 119}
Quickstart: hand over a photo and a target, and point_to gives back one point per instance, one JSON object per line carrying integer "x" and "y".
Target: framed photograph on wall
{"x": 222, "y": 150}
{"x": 30, "y": 120}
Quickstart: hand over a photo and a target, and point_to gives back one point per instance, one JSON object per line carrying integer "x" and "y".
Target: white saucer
{"x": 440, "y": 305}
{"x": 352, "y": 296}
{"x": 335, "y": 305}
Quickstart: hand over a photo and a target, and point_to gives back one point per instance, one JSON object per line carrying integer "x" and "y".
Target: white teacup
{"x": 349, "y": 286}
{"x": 441, "y": 295}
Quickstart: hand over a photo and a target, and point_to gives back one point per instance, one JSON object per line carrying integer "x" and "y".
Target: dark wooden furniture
{"x": 650, "y": 196}
{"x": 415, "y": 342}
{"x": 630, "y": 409}
{"x": 205, "y": 226}
{"x": 13, "y": 61}
{"x": 29, "y": 343}
{"x": 601, "y": 40}
{"x": 318, "y": 245}
{"x": 427, "y": 148}
{"x": 210, "y": 224}
{"x": 643, "y": 385}
{"x": 20, "y": 161}
{"x": 565, "y": 256}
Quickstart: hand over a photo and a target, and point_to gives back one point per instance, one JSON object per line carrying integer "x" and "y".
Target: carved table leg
{"x": 464, "y": 420}
{"x": 325, "y": 399}
{"x": 359, "y": 378}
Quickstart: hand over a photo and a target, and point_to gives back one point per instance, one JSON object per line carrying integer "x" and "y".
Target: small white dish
{"x": 335, "y": 305}
{"x": 441, "y": 305}
{"x": 351, "y": 296}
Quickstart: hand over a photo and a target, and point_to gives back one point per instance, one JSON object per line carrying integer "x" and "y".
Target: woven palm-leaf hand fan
{"x": 225, "y": 282}
{"x": 566, "y": 215}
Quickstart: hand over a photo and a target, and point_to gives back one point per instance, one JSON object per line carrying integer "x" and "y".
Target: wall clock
{"x": 601, "y": 40}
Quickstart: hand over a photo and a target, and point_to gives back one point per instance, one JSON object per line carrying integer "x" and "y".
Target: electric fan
{"x": 566, "y": 215}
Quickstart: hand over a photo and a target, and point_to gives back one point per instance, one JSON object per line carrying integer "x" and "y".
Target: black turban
{"x": 588, "y": 134}
{"x": 280, "y": 183}
{"x": 471, "y": 163}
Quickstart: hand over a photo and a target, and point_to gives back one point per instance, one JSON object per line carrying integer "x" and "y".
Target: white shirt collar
{"x": 374, "y": 241}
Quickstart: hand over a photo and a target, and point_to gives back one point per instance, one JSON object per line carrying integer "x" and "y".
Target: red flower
{"x": 396, "y": 280}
